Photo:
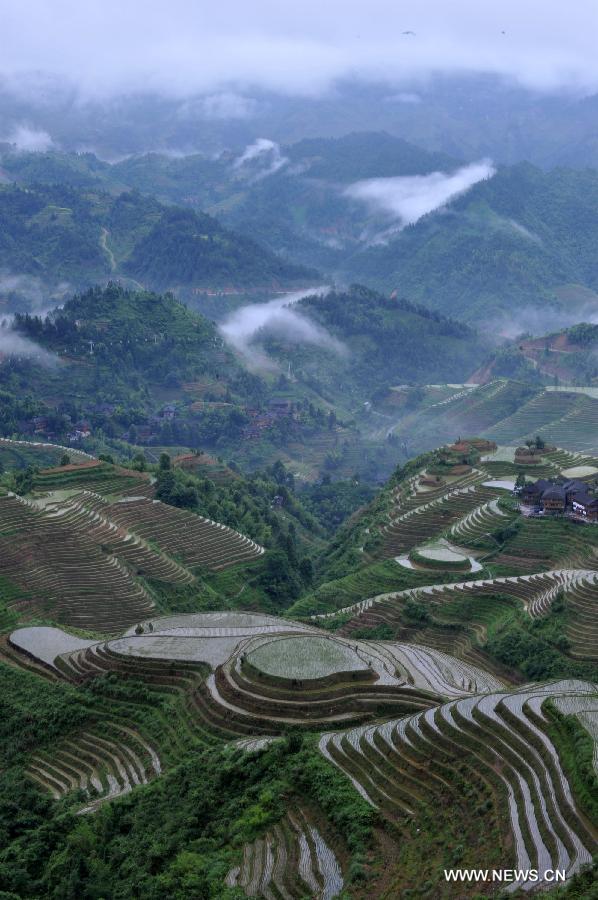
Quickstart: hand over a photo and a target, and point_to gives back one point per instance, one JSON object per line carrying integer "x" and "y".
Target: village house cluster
{"x": 261, "y": 420}
{"x": 571, "y": 498}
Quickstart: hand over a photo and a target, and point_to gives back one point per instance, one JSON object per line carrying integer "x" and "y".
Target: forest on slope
{"x": 58, "y": 233}
{"x": 519, "y": 240}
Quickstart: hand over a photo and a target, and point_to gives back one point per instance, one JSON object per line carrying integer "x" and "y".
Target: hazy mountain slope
{"x": 509, "y": 244}
{"x": 466, "y": 116}
{"x": 62, "y": 233}
{"x": 379, "y": 342}
{"x": 520, "y": 240}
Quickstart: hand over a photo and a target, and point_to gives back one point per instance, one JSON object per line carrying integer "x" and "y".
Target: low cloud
{"x": 15, "y": 346}
{"x": 27, "y": 139}
{"x": 183, "y": 47}
{"x": 406, "y": 198}
{"x": 266, "y": 154}
{"x": 246, "y": 327}
{"x": 538, "y": 321}
{"x": 222, "y": 105}
{"x": 20, "y": 292}
{"x": 404, "y": 97}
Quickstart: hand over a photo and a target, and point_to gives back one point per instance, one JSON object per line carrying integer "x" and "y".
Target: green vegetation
{"x": 371, "y": 327}
{"x": 180, "y": 834}
{"x": 187, "y": 248}
{"x": 332, "y": 502}
{"x": 576, "y": 749}
{"x": 506, "y": 244}
{"x": 537, "y": 647}
{"x": 377, "y": 578}
{"x": 66, "y": 233}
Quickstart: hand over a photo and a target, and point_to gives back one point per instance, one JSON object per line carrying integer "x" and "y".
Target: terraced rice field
{"x": 543, "y": 543}
{"x": 502, "y": 739}
{"x": 20, "y": 454}
{"x": 579, "y": 472}
{"x": 45, "y": 643}
{"x": 397, "y": 719}
{"x": 292, "y": 860}
{"x": 543, "y": 410}
{"x": 66, "y": 572}
{"x": 423, "y": 726}
{"x": 269, "y": 676}
{"x": 418, "y": 520}
{"x": 83, "y": 554}
{"x": 93, "y": 475}
{"x": 567, "y": 419}
{"x": 305, "y": 657}
{"x": 103, "y": 765}
{"x": 535, "y": 592}
{"x": 191, "y": 539}
{"x": 481, "y": 521}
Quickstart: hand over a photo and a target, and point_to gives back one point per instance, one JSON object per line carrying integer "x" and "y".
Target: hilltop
{"x": 141, "y": 368}
{"x": 381, "y": 341}
{"x": 566, "y": 357}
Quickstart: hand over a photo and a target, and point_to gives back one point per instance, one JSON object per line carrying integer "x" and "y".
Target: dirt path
{"x": 106, "y": 248}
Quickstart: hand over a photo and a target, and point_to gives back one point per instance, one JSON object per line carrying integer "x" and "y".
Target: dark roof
{"x": 575, "y": 486}
{"x": 538, "y": 487}
{"x": 554, "y": 492}
{"x": 586, "y": 499}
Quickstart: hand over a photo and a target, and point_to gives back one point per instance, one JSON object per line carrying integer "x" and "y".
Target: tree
{"x": 65, "y": 459}
{"x": 139, "y": 462}
{"x": 279, "y": 580}
{"x": 164, "y": 463}
{"x": 306, "y": 571}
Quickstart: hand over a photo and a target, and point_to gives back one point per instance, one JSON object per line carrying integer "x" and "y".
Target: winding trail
{"x": 104, "y": 245}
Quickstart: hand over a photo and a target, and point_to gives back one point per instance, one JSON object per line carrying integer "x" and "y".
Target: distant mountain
{"x": 518, "y": 247}
{"x": 378, "y": 342}
{"x": 465, "y": 116}
{"x": 63, "y": 233}
{"x": 292, "y": 199}
{"x": 514, "y": 250}
{"x": 567, "y": 357}
{"x": 365, "y": 154}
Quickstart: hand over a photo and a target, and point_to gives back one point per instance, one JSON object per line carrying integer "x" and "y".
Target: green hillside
{"x": 382, "y": 342}
{"x": 127, "y": 369}
{"x": 520, "y": 241}
{"x": 61, "y": 233}
{"x": 510, "y": 243}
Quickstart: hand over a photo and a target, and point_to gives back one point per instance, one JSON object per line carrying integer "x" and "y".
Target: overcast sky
{"x": 181, "y": 47}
